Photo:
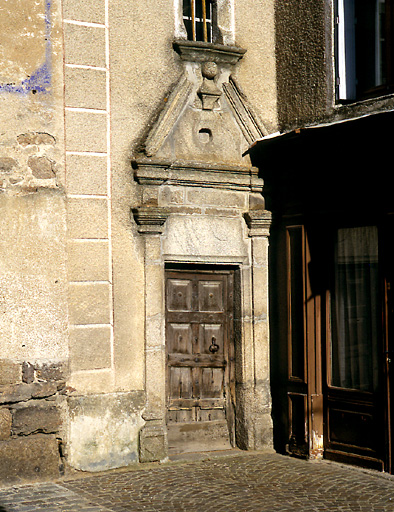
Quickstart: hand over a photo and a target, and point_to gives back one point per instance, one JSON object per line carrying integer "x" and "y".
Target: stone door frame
{"x": 253, "y": 397}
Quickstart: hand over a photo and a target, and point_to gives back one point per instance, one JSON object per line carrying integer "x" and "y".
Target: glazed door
{"x": 200, "y": 355}
{"x": 355, "y": 393}
{"x": 339, "y": 343}
{"x": 388, "y": 357}
{"x": 304, "y": 386}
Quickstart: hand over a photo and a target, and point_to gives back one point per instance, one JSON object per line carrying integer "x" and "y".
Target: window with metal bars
{"x": 198, "y": 17}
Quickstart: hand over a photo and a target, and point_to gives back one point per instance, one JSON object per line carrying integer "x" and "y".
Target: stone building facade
{"x": 125, "y": 183}
{"x": 135, "y": 138}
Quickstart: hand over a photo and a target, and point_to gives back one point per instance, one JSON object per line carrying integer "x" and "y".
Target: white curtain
{"x": 355, "y": 310}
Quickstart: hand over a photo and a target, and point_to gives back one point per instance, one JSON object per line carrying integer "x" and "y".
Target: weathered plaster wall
{"x": 304, "y": 61}
{"x": 33, "y": 319}
{"x": 255, "y": 25}
{"x": 142, "y": 71}
{"x": 104, "y": 430}
{"x": 305, "y": 51}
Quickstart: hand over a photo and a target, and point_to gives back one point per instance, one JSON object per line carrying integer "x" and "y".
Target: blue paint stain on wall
{"x": 40, "y": 80}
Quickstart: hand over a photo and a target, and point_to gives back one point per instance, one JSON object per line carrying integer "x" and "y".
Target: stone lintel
{"x": 199, "y": 51}
{"x": 259, "y": 222}
{"x": 150, "y": 219}
{"x": 197, "y": 174}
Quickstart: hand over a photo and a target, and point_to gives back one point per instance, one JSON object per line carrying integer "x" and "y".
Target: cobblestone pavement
{"x": 239, "y": 481}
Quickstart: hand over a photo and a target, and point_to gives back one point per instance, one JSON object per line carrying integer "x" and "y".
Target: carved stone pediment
{"x": 201, "y": 135}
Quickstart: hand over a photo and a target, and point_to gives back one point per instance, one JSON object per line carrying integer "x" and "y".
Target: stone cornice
{"x": 197, "y": 174}
{"x": 198, "y": 51}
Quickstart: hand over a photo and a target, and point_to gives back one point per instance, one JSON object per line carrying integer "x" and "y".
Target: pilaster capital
{"x": 150, "y": 219}
{"x": 259, "y": 222}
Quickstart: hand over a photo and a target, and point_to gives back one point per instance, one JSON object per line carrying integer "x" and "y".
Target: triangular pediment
{"x": 206, "y": 120}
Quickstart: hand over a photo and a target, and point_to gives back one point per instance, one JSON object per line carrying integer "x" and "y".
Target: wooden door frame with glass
{"x": 326, "y": 416}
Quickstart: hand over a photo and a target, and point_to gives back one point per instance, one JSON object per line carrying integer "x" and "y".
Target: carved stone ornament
{"x": 259, "y": 222}
{"x": 150, "y": 219}
{"x": 209, "y": 91}
{"x": 251, "y": 126}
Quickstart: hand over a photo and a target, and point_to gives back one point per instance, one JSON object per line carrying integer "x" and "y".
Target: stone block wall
{"x": 31, "y": 421}
{"x": 88, "y": 195}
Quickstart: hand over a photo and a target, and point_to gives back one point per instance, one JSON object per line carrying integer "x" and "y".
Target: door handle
{"x": 214, "y": 347}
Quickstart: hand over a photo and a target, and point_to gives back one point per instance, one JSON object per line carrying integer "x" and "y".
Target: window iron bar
{"x": 204, "y": 18}
{"x": 194, "y": 19}
{"x": 199, "y": 19}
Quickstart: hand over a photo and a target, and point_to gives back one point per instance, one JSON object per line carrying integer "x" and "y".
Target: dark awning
{"x": 343, "y": 165}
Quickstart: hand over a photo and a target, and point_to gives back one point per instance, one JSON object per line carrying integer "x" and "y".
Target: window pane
{"x": 296, "y": 301}
{"x": 209, "y": 9}
{"x": 368, "y": 44}
{"x": 199, "y": 31}
{"x": 382, "y": 41}
{"x": 363, "y": 47}
{"x": 345, "y": 51}
{"x": 209, "y": 32}
{"x": 199, "y": 10}
{"x": 203, "y": 31}
{"x": 189, "y": 30}
{"x": 187, "y": 10}
{"x": 354, "y": 310}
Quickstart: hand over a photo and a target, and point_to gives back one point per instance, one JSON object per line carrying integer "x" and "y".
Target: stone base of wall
{"x": 153, "y": 442}
{"x": 29, "y": 458}
{"x": 104, "y": 430}
{"x": 31, "y": 421}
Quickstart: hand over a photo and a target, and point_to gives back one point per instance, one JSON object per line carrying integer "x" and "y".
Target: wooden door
{"x": 388, "y": 356}
{"x": 338, "y": 297}
{"x": 304, "y": 389}
{"x": 200, "y": 360}
{"x": 355, "y": 388}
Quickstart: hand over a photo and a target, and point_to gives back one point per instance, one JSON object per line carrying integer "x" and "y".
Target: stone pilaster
{"x": 259, "y": 222}
{"x": 153, "y": 437}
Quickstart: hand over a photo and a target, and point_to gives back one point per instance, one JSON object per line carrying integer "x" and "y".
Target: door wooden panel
{"x": 179, "y": 295}
{"x": 354, "y": 390}
{"x": 180, "y": 339}
{"x": 199, "y": 316}
{"x": 304, "y": 391}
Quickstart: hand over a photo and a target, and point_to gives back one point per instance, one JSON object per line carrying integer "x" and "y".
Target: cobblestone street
{"x": 235, "y": 481}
